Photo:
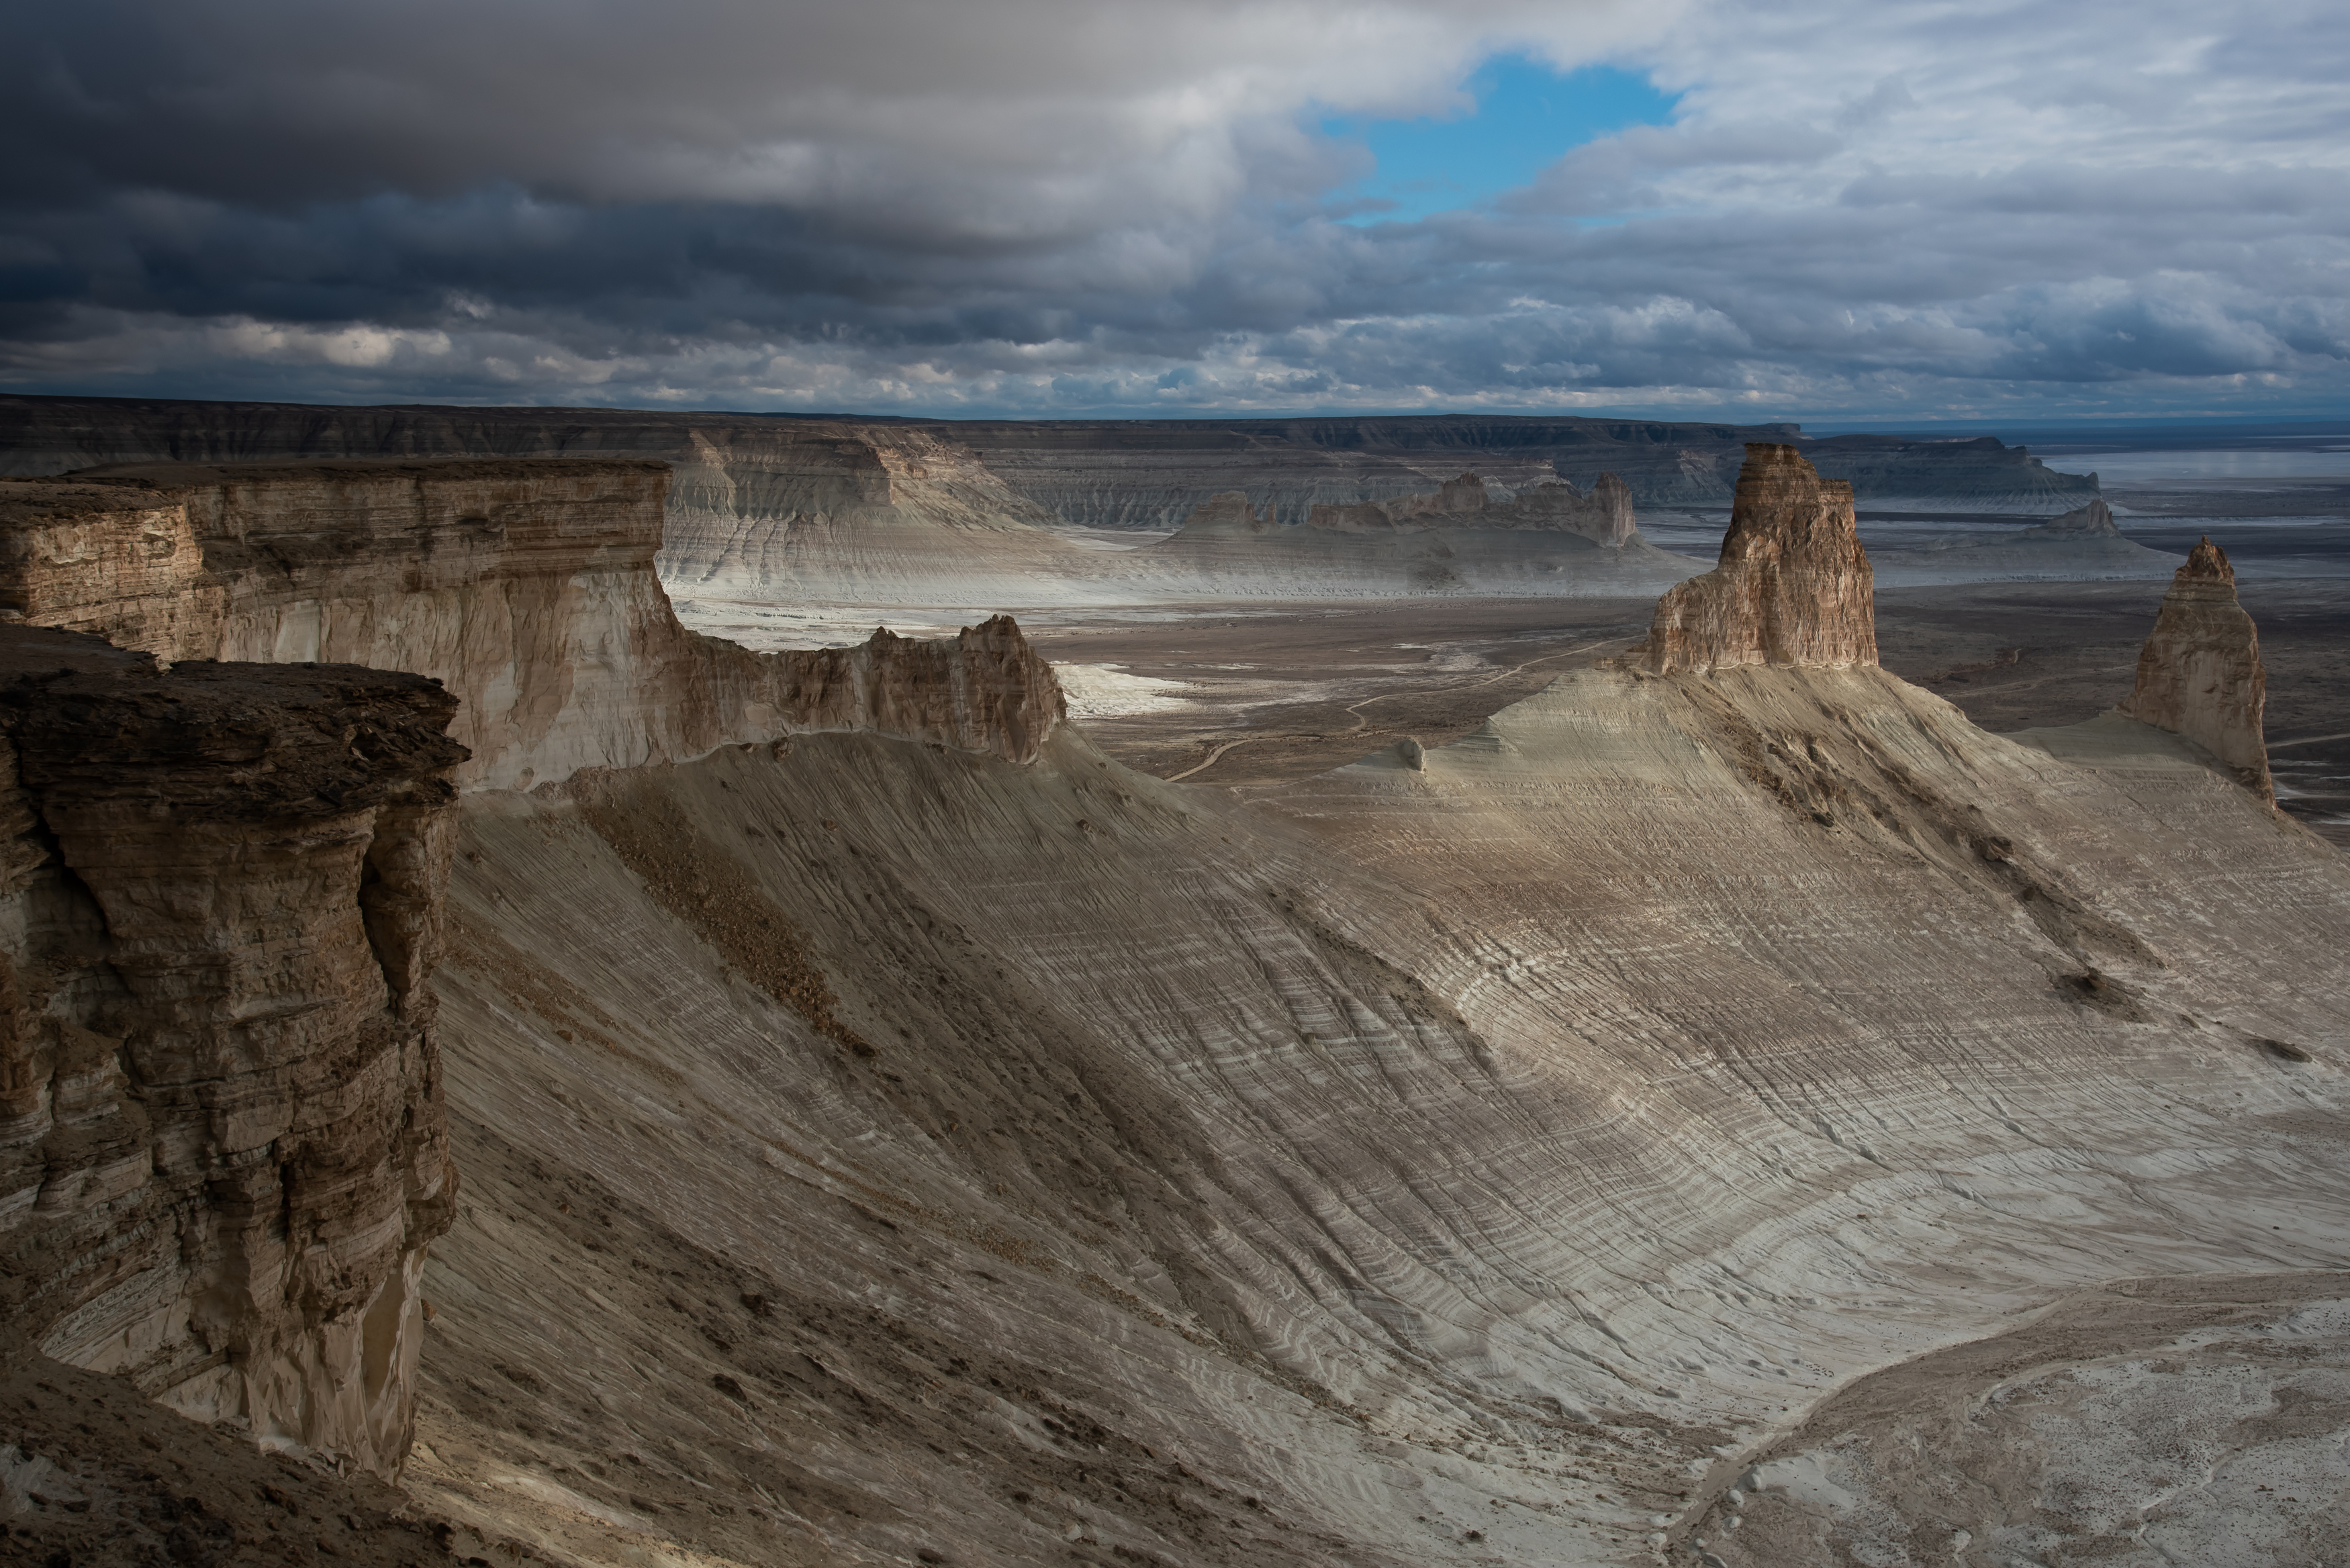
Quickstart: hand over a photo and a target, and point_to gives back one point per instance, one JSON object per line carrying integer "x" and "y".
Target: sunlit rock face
{"x": 223, "y": 1146}
{"x": 2201, "y": 674}
{"x": 1793, "y": 587}
{"x": 529, "y": 588}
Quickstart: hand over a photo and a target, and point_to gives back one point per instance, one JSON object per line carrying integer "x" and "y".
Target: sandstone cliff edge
{"x": 222, "y": 1149}
{"x": 1794, "y": 585}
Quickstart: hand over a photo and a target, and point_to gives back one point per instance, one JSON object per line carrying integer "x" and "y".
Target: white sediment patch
{"x": 1104, "y": 691}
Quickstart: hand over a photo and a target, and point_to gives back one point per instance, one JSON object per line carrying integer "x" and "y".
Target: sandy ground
{"x": 2162, "y": 1421}
{"x": 1283, "y": 693}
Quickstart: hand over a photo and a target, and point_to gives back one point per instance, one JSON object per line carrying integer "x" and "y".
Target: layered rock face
{"x": 1982, "y": 474}
{"x": 528, "y": 588}
{"x": 223, "y": 1147}
{"x": 987, "y": 690}
{"x": 2199, "y": 674}
{"x": 1603, "y": 517}
{"x": 1228, "y": 515}
{"x": 1140, "y": 473}
{"x": 1793, "y": 587}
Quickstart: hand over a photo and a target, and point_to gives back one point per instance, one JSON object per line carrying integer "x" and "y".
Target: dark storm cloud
{"x": 1031, "y": 206}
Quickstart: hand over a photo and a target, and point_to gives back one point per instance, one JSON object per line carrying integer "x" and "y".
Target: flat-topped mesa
{"x": 1603, "y": 517}
{"x": 2200, "y": 675}
{"x": 527, "y": 587}
{"x": 1794, "y": 587}
{"x": 223, "y": 1146}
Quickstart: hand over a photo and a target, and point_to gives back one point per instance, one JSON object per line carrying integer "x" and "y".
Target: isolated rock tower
{"x": 2200, "y": 676}
{"x": 1793, "y": 587}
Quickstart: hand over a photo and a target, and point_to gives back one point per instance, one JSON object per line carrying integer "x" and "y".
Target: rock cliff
{"x": 1604, "y": 516}
{"x": 1228, "y": 515}
{"x": 2201, "y": 674}
{"x": 529, "y": 587}
{"x": 1793, "y": 587}
{"x": 1135, "y": 473}
{"x": 222, "y": 1149}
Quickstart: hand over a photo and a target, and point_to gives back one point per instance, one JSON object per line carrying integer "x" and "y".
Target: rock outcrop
{"x": 987, "y": 690}
{"x": 1604, "y": 516}
{"x": 1793, "y": 587}
{"x": 1227, "y": 515}
{"x": 528, "y": 588}
{"x": 2200, "y": 676}
{"x": 223, "y": 1147}
{"x": 2094, "y": 521}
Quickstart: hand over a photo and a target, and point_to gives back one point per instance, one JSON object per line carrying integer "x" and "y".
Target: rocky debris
{"x": 2199, "y": 674}
{"x": 223, "y": 1149}
{"x": 93, "y": 1474}
{"x": 1794, "y": 585}
{"x": 1603, "y": 517}
{"x": 527, "y": 587}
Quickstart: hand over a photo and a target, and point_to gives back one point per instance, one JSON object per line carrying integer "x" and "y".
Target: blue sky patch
{"x": 1527, "y": 115}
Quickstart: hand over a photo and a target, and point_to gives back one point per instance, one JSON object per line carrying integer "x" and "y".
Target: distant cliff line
{"x": 1137, "y": 473}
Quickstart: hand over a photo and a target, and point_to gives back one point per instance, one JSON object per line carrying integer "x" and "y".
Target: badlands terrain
{"x": 1792, "y": 1032}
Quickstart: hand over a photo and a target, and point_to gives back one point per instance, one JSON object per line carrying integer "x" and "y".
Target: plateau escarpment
{"x": 528, "y": 589}
{"x": 1549, "y": 538}
{"x": 223, "y": 1150}
{"x": 1793, "y": 587}
{"x": 1504, "y": 1142}
{"x": 2082, "y": 544}
{"x": 2201, "y": 674}
{"x": 1152, "y": 473}
{"x": 1603, "y": 517}
{"x": 1128, "y": 474}
{"x": 921, "y": 1137}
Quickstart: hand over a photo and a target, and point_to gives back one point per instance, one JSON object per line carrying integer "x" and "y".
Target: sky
{"x": 1845, "y": 210}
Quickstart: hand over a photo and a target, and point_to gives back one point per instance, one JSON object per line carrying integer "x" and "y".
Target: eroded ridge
{"x": 2199, "y": 674}
{"x": 528, "y": 588}
{"x": 1793, "y": 587}
{"x": 222, "y": 1145}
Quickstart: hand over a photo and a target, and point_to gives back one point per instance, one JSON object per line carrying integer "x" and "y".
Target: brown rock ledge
{"x": 1793, "y": 587}
{"x": 222, "y": 1149}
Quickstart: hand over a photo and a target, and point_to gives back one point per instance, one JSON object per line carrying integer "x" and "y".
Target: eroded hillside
{"x": 888, "y": 1142}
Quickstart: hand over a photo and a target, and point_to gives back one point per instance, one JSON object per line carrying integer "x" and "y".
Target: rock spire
{"x": 1793, "y": 587}
{"x": 2200, "y": 676}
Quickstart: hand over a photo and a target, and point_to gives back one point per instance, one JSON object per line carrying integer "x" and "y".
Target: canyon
{"x": 887, "y": 1128}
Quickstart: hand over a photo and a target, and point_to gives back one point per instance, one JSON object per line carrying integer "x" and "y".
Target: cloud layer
{"x": 1038, "y": 206}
